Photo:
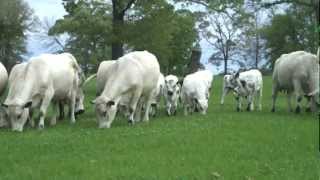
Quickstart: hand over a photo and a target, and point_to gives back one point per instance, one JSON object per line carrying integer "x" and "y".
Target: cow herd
{"x": 133, "y": 86}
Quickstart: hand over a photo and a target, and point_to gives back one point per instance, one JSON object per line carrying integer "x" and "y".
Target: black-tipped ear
{"x": 243, "y": 83}
{"x": 28, "y": 104}
{"x": 236, "y": 75}
{"x": 110, "y": 103}
{"x": 4, "y": 105}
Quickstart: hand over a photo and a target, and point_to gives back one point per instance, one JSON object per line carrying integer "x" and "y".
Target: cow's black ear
{"x": 237, "y": 75}
{"x": 28, "y": 104}
{"x": 110, "y": 103}
{"x": 243, "y": 83}
{"x": 4, "y": 105}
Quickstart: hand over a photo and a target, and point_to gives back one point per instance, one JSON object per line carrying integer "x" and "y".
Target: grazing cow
{"x": 171, "y": 94}
{"x": 247, "y": 84}
{"x": 226, "y": 87}
{"x": 45, "y": 78}
{"x": 156, "y": 97}
{"x": 3, "y": 84}
{"x": 298, "y": 73}
{"x": 195, "y": 91}
{"x": 134, "y": 75}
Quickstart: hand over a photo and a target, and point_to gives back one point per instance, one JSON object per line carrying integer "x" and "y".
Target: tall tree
{"x": 220, "y": 32}
{"x": 88, "y": 24}
{"x": 294, "y": 30}
{"x": 16, "y": 18}
{"x": 119, "y": 9}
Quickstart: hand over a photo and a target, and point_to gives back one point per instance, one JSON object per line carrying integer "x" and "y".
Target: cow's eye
{"x": 19, "y": 116}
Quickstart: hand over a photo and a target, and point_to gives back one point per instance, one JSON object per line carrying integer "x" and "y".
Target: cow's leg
{"x": 289, "y": 95}
{"x": 224, "y": 93}
{"x": 309, "y": 104}
{"x": 44, "y": 106}
{"x": 133, "y": 105}
{"x": 274, "y": 97}
{"x": 258, "y": 99}
{"x": 250, "y": 102}
{"x": 54, "y": 111}
{"x": 72, "y": 107}
{"x": 31, "y": 121}
{"x": 138, "y": 111}
{"x": 297, "y": 91}
{"x": 61, "y": 110}
{"x": 148, "y": 104}
{"x": 168, "y": 108}
{"x": 239, "y": 104}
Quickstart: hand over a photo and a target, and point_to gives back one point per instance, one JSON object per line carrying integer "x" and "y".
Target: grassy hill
{"x": 224, "y": 144}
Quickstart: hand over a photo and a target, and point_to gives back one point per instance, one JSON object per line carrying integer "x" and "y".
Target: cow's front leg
{"x": 238, "y": 99}
{"x": 44, "y": 106}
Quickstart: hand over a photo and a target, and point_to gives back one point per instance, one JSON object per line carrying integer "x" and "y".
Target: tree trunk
{"x": 117, "y": 24}
{"x": 195, "y": 64}
{"x": 225, "y": 66}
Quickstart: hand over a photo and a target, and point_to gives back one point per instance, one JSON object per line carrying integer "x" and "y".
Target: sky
{"x": 53, "y": 10}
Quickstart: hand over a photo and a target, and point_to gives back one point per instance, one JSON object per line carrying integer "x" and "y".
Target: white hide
{"x": 134, "y": 75}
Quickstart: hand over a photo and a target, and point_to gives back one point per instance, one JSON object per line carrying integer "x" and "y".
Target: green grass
{"x": 224, "y": 144}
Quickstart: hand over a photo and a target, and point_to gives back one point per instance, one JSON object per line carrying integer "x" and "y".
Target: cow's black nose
{"x": 170, "y": 93}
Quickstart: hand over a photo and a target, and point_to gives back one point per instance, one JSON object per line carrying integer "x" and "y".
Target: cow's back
{"x": 104, "y": 71}
{"x": 297, "y": 65}
{"x": 142, "y": 67}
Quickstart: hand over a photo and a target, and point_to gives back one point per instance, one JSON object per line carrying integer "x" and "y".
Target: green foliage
{"x": 167, "y": 33}
{"x": 89, "y": 26}
{"x": 150, "y": 25}
{"x": 15, "y": 19}
{"x": 292, "y": 31}
{"x": 224, "y": 144}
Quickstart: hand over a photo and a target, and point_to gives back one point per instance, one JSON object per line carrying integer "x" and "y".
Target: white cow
{"x": 248, "y": 84}
{"x": 134, "y": 74}
{"x": 156, "y": 97}
{"x": 3, "y": 84}
{"x": 171, "y": 93}
{"x": 298, "y": 73}
{"x": 195, "y": 91}
{"x": 45, "y": 78}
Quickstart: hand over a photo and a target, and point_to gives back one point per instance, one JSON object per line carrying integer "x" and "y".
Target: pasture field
{"x": 224, "y": 144}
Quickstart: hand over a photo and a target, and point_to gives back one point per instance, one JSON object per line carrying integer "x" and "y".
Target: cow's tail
{"x": 318, "y": 54}
{"x": 89, "y": 79}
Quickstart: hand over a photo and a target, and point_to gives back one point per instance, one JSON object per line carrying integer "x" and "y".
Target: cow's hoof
{"x": 298, "y": 109}
{"x": 248, "y": 108}
{"x": 238, "y": 109}
{"x": 273, "y": 110}
{"x": 81, "y": 111}
{"x": 308, "y": 109}
{"x": 41, "y": 126}
{"x": 131, "y": 122}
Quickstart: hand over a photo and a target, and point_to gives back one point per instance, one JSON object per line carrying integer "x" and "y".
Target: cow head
{"x": 105, "y": 111}
{"x": 171, "y": 87}
{"x": 18, "y": 115}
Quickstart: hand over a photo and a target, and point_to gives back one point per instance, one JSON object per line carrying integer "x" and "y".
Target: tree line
{"x": 246, "y": 33}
